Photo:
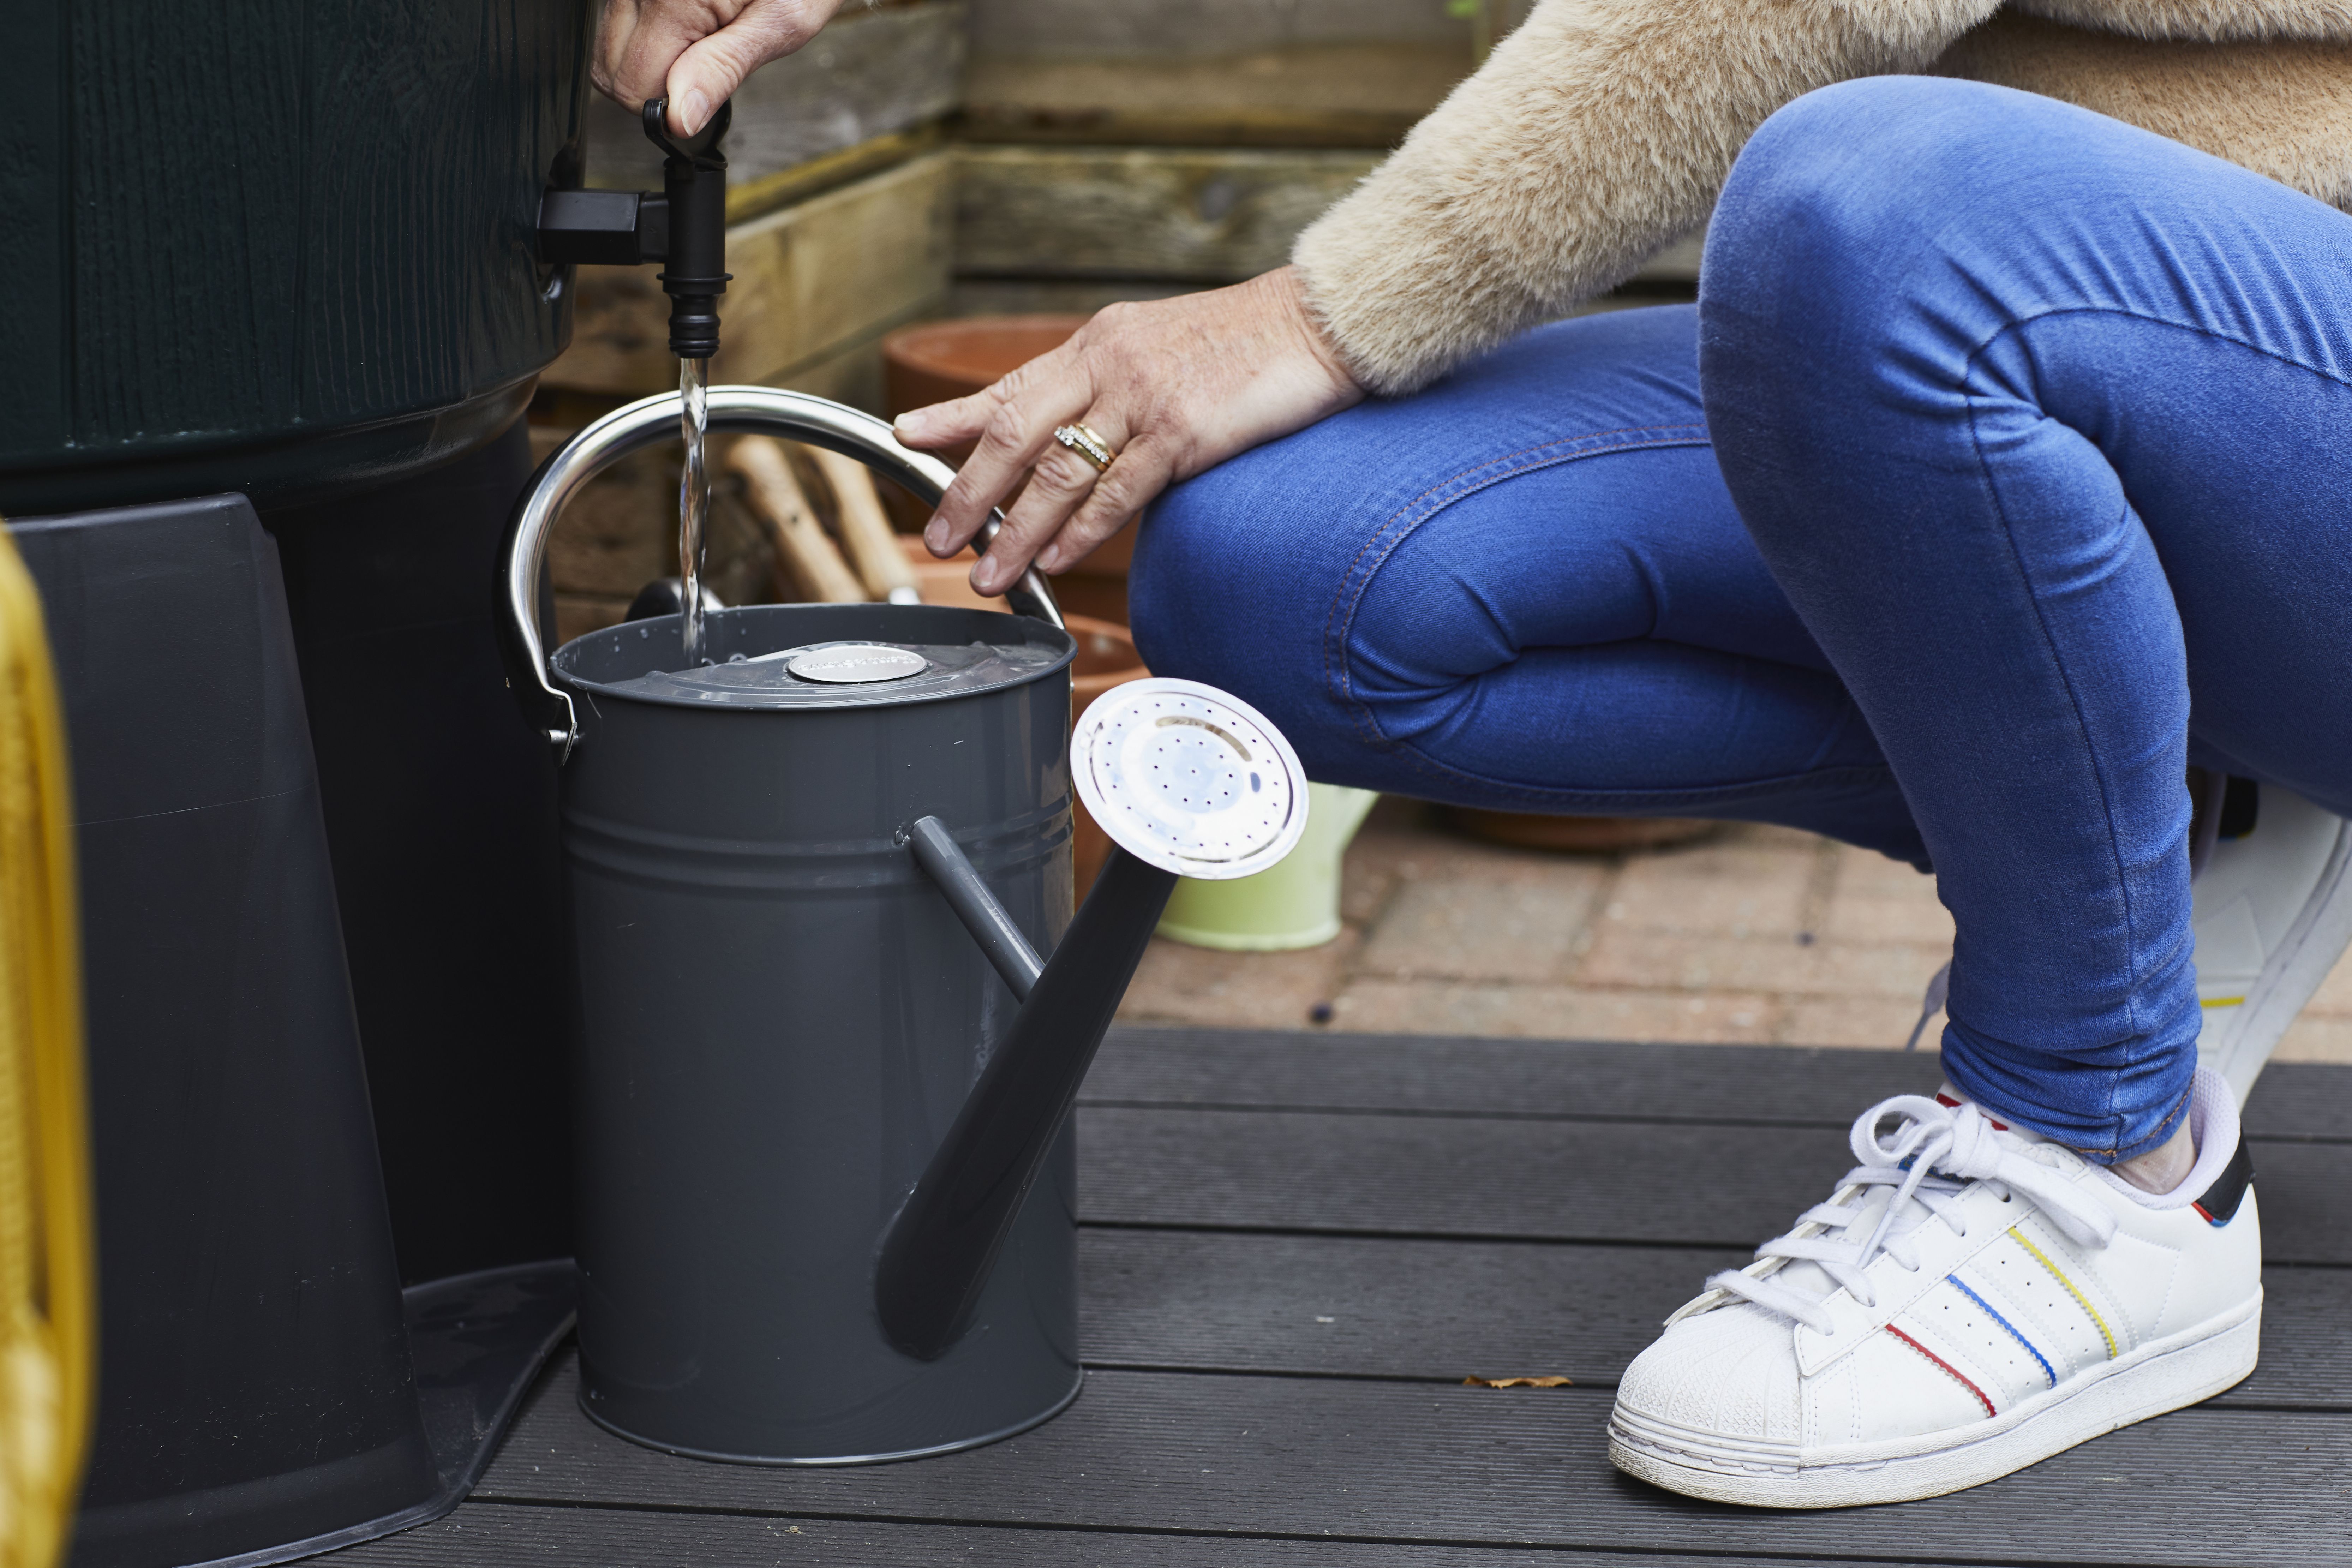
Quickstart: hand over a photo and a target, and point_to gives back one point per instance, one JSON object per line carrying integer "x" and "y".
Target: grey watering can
{"x": 825, "y": 1171}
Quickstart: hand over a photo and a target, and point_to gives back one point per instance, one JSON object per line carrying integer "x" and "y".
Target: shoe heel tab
{"x": 2220, "y": 1201}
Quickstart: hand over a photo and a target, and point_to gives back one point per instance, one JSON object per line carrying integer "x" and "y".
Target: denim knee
{"x": 1824, "y": 201}
{"x": 1215, "y": 595}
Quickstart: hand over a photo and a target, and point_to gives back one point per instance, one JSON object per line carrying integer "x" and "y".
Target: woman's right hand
{"x": 1173, "y": 386}
{"x": 696, "y": 52}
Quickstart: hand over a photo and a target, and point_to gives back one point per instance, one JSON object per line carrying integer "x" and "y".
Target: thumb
{"x": 709, "y": 70}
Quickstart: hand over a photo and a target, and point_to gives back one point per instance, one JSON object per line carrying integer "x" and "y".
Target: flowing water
{"x": 693, "y": 499}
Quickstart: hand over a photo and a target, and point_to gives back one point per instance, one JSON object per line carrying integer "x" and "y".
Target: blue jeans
{"x": 2003, "y": 471}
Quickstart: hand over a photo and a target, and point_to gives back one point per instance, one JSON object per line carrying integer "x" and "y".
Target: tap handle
{"x": 694, "y": 271}
{"x": 703, "y": 144}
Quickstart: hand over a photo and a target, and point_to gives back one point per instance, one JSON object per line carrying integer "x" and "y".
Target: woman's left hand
{"x": 1172, "y": 387}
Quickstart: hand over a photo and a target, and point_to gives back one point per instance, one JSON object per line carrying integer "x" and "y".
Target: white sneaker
{"x": 2020, "y": 1300}
{"x": 2273, "y": 913}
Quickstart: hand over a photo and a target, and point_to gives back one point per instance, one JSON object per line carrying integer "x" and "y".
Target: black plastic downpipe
{"x": 937, "y": 1255}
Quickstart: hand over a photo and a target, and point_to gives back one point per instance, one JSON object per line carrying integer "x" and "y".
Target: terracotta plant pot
{"x": 941, "y": 360}
{"x": 1577, "y": 834}
{"x": 937, "y": 361}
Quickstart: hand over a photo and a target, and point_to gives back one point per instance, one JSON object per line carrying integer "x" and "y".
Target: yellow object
{"x": 1295, "y": 902}
{"x": 46, "y": 1314}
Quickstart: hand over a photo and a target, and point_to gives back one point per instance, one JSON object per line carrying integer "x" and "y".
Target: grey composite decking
{"x": 1294, "y": 1249}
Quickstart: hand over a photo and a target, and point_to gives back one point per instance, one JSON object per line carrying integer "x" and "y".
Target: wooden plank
{"x": 1198, "y": 215}
{"x": 871, "y": 75}
{"x": 1547, "y": 1181}
{"x": 1378, "y": 1307}
{"x": 811, "y": 281}
{"x": 1115, "y": 28}
{"x": 495, "y": 1535}
{"x": 1302, "y": 1458}
{"x": 1440, "y": 1311}
{"x": 1754, "y": 1084}
{"x": 2301, "y": 1099}
{"x": 1360, "y": 95}
{"x": 1172, "y": 215}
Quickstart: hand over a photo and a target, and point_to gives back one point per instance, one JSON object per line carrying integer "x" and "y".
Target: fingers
{"x": 1017, "y": 431}
{"x": 710, "y": 71}
{"x": 947, "y": 424}
{"x": 1130, "y": 484}
{"x": 1061, "y": 485}
{"x": 696, "y": 52}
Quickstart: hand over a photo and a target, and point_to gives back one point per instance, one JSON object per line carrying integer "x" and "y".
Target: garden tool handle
{"x": 814, "y": 421}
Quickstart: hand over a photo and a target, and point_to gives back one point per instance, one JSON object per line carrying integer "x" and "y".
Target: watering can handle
{"x": 816, "y": 421}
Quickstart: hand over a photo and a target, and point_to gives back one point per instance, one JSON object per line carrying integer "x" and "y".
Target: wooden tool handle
{"x": 865, "y": 526}
{"x": 801, "y": 543}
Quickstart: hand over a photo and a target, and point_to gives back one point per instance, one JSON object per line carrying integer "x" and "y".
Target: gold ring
{"x": 1082, "y": 440}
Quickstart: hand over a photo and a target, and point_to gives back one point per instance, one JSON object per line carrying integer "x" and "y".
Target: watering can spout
{"x": 1186, "y": 780}
{"x": 937, "y": 1255}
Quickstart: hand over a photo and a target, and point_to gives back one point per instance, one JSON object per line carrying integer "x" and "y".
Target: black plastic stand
{"x": 266, "y": 1390}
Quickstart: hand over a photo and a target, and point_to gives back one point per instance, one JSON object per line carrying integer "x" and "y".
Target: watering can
{"x": 825, "y": 1189}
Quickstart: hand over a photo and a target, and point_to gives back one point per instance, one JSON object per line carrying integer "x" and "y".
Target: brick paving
{"x": 1754, "y": 936}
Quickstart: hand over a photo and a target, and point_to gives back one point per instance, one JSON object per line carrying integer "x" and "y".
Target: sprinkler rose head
{"x": 1188, "y": 779}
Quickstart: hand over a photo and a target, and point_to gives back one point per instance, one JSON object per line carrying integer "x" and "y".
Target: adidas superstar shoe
{"x": 1972, "y": 1299}
{"x": 2274, "y": 914}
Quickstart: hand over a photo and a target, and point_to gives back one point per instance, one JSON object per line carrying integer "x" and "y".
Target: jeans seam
{"x": 1401, "y": 524}
{"x": 1970, "y": 366}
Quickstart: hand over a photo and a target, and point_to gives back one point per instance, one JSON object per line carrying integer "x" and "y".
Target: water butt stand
{"x": 825, "y": 1205}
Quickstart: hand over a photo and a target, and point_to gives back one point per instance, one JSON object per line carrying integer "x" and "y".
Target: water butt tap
{"x": 683, "y": 226}
{"x": 1187, "y": 780}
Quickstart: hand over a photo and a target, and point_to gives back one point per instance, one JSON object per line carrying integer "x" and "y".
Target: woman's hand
{"x": 696, "y": 52}
{"x": 1173, "y": 387}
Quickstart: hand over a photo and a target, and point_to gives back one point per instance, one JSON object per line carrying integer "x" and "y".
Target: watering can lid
{"x": 798, "y": 657}
{"x": 1190, "y": 779}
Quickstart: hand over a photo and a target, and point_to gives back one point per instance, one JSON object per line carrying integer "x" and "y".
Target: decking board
{"x": 1439, "y": 1310}
{"x": 1458, "y": 1206}
{"x": 1584, "y": 1080}
{"x": 1468, "y": 1176}
{"x": 494, "y": 1535}
{"x": 1439, "y": 1465}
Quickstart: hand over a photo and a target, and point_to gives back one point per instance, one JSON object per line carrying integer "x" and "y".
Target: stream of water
{"x": 693, "y": 501}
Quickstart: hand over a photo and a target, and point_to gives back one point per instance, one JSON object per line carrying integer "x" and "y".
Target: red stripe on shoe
{"x": 1949, "y": 1369}
{"x": 1949, "y": 1103}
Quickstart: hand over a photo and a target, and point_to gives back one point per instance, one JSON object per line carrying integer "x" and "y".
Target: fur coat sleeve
{"x": 1602, "y": 130}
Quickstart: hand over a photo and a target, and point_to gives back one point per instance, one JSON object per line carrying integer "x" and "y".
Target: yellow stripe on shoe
{"x": 2060, "y": 1275}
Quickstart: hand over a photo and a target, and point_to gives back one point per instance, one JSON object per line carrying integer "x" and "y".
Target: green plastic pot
{"x": 1293, "y": 904}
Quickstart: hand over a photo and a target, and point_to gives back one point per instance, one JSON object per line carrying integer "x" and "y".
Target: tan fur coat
{"x": 1602, "y": 129}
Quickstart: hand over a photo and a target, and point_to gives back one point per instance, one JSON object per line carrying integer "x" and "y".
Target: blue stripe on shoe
{"x": 2005, "y": 1323}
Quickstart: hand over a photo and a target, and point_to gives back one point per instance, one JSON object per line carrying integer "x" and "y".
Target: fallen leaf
{"x": 1517, "y": 1381}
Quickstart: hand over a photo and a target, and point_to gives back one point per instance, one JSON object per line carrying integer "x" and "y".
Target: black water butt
{"x": 287, "y": 252}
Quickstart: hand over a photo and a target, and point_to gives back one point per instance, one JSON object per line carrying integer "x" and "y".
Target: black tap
{"x": 683, "y": 228}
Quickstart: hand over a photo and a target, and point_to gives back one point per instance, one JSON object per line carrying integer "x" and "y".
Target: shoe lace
{"x": 1930, "y": 1159}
